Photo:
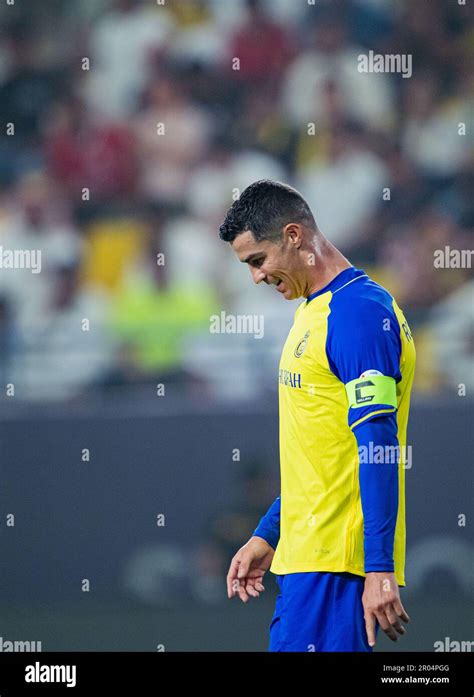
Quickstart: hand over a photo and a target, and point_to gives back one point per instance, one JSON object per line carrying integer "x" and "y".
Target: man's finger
{"x": 400, "y": 610}
{"x": 243, "y": 568}
{"x": 243, "y": 593}
{"x": 251, "y": 590}
{"x": 231, "y": 577}
{"x": 394, "y": 620}
{"x": 386, "y": 626}
{"x": 370, "y": 629}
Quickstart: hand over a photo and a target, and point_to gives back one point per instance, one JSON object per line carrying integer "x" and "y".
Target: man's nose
{"x": 257, "y": 275}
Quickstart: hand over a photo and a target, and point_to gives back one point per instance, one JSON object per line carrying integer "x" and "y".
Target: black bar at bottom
{"x": 150, "y": 673}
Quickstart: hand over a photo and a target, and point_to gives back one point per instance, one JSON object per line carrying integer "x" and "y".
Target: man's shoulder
{"x": 362, "y": 296}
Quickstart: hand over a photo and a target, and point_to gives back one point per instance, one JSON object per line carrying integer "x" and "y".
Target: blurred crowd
{"x": 137, "y": 122}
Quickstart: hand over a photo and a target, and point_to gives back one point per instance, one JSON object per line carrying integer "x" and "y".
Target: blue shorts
{"x": 319, "y": 611}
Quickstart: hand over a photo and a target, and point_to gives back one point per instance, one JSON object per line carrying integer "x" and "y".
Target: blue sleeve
{"x": 363, "y": 335}
{"x": 378, "y": 480}
{"x": 269, "y": 525}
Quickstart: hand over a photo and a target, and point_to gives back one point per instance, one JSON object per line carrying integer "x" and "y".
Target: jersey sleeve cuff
{"x": 268, "y": 535}
{"x": 378, "y": 553}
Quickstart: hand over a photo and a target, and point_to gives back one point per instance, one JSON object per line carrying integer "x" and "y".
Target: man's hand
{"x": 381, "y": 601}
{"x": 247, "y": 569}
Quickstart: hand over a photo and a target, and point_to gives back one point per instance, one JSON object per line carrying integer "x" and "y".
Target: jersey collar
{"x": 337, "y": 282}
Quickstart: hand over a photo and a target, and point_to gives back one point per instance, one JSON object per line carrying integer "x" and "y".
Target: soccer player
{"x": 335, "y": 537}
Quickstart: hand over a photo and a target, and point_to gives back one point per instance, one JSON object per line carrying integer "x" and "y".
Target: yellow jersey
{"x": 348, "y": 359}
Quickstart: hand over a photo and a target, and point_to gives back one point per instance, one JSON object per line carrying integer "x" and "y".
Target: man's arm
{"x": 269, "y": 525}
{"x": 248, "y": 566}
{"x": 378, "y": 481}
{"x": 364, "y": 351}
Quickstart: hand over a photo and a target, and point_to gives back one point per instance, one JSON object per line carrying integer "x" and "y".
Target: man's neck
{"x": 329, "y": 264}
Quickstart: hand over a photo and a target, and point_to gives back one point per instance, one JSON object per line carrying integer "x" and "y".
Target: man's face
{"x": 276, "y": 263}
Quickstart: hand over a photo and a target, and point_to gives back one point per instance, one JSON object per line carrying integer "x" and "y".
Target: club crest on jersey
{"x": 299, "y": 350}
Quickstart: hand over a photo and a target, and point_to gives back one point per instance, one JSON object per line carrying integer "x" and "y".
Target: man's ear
{"x": 294, "y": 234}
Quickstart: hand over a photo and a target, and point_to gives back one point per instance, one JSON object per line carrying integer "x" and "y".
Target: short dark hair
{"x": 264, "y": 208}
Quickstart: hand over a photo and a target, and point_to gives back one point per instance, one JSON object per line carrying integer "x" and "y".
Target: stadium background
{"x": 134, "y": 127}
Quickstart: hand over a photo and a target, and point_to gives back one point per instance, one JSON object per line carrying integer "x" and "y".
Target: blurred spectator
{"x": 406, "y": 192}
{"x": 114, "y": 243}
{"x": 121, "y": 44}
{"x": 29, "y": 87}
{"x": 260, "y": 125}
{"x": 351, "y": 173}
{"x": 431, "y": 132}
{"x": 313, "y": 139}
{"x": 35, "y": 221}
{"x": 196, "y": 38}
{"x": 27, "y": 90}
{"x": 65, "y": 349}
{"x": 86, "y": 152}
{"x": 225, "y": 174}
{"x": 262, "y": 46}
{"x": 369, "y": 22}
{"x": 451, "y": 323}
{"x": 331, "y": 58}
{"x": 151, "y": 316}
{"x": 432, "y": 30}
{"x": 409, "y": 251}
{"x": 193, "y": 260}
{"x": 172, "y": 134}
{"x": 209, "y": 188}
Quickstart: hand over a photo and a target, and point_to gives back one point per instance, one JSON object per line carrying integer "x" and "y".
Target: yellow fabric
{"x": 321, "y": 525}
{"x": 112, "y": 246}
{"x": 153, "y": 322}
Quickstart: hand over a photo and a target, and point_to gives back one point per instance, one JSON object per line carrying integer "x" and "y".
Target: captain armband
{"x": 371, "y": 388}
